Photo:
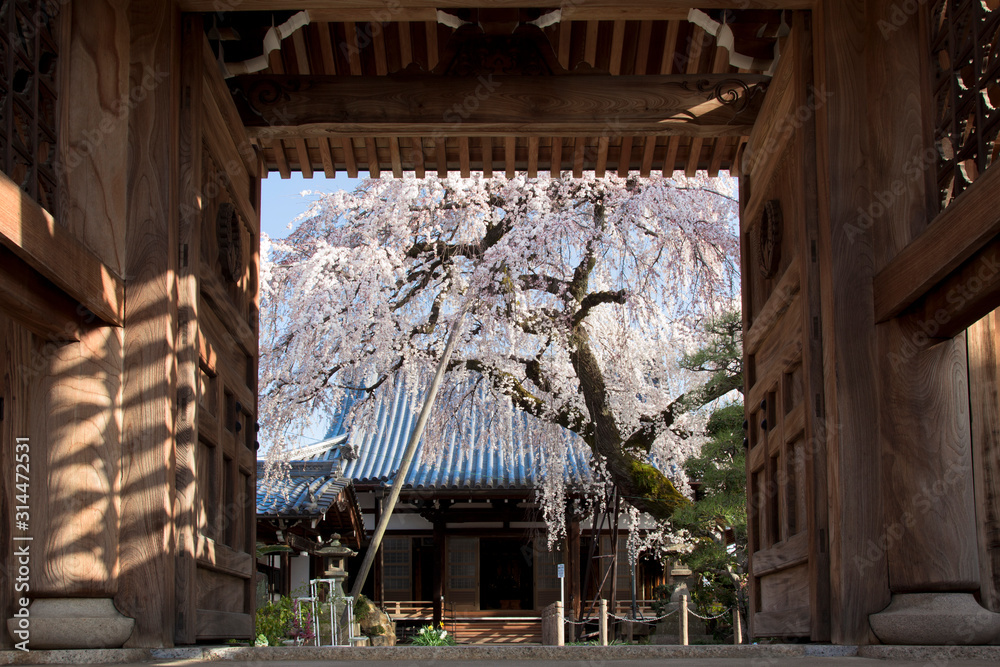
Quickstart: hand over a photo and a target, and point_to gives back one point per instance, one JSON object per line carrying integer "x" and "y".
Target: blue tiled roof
{"x": 473, "y": 466}
{"x": 309, "y": 489}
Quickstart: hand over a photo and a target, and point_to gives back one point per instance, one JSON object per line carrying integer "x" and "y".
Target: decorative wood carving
{"x": 230, "y": 242}
{"x": 769, "y": 238}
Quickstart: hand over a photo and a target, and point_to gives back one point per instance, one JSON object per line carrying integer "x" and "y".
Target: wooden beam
{"x": 405, "y": 44}
{"x": 417, "y": 153}
{"x": 30, "y": 233}
{"x": 958, "y": 233}
{"x": 326, "y": 49}
{"x": 578, "y": 154}
{"x": 555, "y": 161}
{"x": 602, "y": 156}
{"x": 532, "y": 157}
{"x": 431, "y": 30}
{"x": 371, "y": 150}
{"x": 590, "y": 43}
{"x": 968, "y": 293}
{"x": 617, "y": 37}
{"x": 353, "y": 50}
{"x": 487, "y": 143}
{"x": 350, "y": 161}
{"x": 372, "y": 14}
{"x": 565, "y": 40}
{"x": 647, "y": 156}
{"x": 329, "y": 170}
{"x": 625, "y": 156}
{"x": 302, "y": 151}
{"x": 34, "y": 302}
{"x": 395, "y": 158}
{"x": 510, "y": 155}
{"x": 441, "y": 149}
{"x": 526, "y": 106}
{"x": 379, "y": 10}
{"x": 463, "y": 156}
{"x": 278, "y": 147}
{"x": 715, "y": 162}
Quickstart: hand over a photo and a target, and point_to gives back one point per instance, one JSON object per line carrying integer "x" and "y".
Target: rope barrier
{"x": 708, "y": 618}
{"x": 584, "y": 622}
{"x": 650, "y": 621}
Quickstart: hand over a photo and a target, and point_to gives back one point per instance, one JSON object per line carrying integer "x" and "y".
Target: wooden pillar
{"x": 378, "y": 580}
{"x": 984, "y": 395}
{"x": 147, "y": 582}
{"x": 858, "y": 582}
{"x": 902, "y": 514}
{"x": 439, "y": 571}
{"x": 188, "y": 371}
{"x": 925, "y": 430}
{"x": 574, "y": 594}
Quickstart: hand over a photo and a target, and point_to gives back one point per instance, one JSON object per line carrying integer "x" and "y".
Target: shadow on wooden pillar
{"x": 147, "y": 581}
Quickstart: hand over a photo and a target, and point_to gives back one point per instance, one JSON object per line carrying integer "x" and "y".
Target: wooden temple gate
{"x": 128, "y": 259}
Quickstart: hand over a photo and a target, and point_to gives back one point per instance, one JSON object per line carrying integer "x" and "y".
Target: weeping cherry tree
{"x": 582, "y": 295}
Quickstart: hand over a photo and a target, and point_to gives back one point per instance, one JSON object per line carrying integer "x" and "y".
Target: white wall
{"x": 299, "y": 569}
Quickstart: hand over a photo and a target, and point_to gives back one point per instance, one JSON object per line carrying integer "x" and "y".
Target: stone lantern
{"x": 336, "y": 570}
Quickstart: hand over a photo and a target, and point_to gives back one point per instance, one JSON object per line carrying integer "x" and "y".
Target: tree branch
{"x": 597, "y": 298}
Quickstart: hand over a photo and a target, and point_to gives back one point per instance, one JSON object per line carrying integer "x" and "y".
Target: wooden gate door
{"x": 786, "y": 461}
{"x": 219, "y": 187}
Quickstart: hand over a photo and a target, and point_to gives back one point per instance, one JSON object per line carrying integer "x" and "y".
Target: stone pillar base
{"x": 935, "y": 619}
{"x": 59, "y": 623}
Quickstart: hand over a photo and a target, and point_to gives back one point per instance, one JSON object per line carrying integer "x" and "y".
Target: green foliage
{"x": 718, "y": 517}
{"x": 274, "y": 621}
{"x": 282, "y": 619}
{"x": 428, "y": 636}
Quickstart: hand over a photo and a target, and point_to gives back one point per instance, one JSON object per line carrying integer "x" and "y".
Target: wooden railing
{"x": 410, "y": 609}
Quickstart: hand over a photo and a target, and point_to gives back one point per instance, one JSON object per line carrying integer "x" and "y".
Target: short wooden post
{"x": 737, "y": 627}
{"x": 560, "y": 625}
{"x": 603, "y": 620}
{"x": 684, "y": 620}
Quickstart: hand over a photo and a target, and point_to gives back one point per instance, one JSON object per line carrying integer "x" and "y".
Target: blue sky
{"x": 281, "y": 202}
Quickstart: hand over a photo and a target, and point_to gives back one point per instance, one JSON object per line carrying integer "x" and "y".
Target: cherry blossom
{"x": 581, "y": 295}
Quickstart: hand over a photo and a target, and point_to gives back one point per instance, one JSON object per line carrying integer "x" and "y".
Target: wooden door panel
{"x": 789, "y": 570}
{"x": 217, "y": 359}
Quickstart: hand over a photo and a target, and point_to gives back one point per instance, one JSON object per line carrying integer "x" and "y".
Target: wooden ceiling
{"x": 497, "y": 95}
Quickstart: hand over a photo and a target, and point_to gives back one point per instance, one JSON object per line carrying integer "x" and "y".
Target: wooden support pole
{"x": 602, "y": 613}
{"x": 438, "y": 576}
{"x": 411, "y": 450}
{"x": 683, "y": 620}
